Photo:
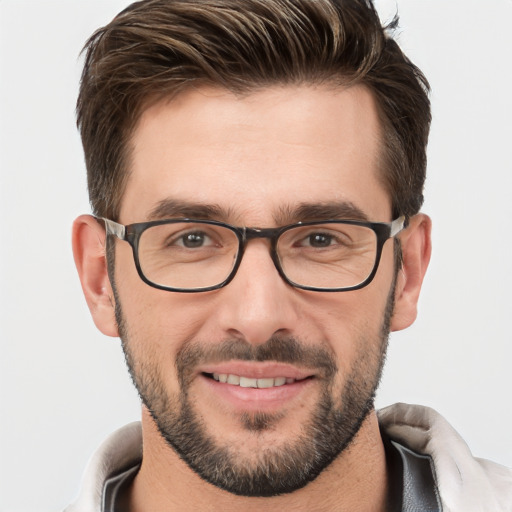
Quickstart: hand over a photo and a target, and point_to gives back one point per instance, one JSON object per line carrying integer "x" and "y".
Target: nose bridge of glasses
{"x": 271, "y": 234}
{"x": 252, "y": 233}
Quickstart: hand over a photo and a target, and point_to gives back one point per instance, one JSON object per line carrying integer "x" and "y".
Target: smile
{"x": 249, "y": 387}
{"x": 248, "y": 382}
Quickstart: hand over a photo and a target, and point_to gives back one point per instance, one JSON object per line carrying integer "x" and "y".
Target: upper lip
{"x": 258, "y": 370}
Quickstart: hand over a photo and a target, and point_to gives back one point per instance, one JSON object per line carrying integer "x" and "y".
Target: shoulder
{"x": 121, "y": 450}
{"x": 465, "y": 483}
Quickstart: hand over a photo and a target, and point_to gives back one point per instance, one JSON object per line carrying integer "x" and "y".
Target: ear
{"x": 416, "y": 248}
{"x": 89, "y": 247}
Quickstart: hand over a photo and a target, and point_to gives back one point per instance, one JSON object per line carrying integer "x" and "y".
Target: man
{"x": 256, "y": 173}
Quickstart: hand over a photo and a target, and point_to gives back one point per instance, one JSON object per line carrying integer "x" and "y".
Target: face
{"x": 275, "y": 157}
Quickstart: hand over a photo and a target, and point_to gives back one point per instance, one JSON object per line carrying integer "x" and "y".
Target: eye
{"x": 194, "y": 239}
{"x": 318, "y": 240}
{"x": 322, "y": 239}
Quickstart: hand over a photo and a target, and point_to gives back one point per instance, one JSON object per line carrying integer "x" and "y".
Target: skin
{"x": 255, "y": 157}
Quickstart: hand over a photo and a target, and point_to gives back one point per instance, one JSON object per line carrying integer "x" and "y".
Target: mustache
{"x": 281, "y": 349}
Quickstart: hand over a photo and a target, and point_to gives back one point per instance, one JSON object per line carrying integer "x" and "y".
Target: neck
{"x": 355, "y": 481}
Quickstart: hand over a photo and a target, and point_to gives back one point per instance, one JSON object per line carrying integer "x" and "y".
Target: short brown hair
{"x": 156, "y": 48}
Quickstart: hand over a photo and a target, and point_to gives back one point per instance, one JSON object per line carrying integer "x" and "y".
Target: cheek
{"x": 354, "y": 324}
{"x": 153, "y": 316}
{"x": 159, "y": 320}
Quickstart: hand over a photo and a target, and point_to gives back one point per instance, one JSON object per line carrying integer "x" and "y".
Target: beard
{"x": 332, "y": 425}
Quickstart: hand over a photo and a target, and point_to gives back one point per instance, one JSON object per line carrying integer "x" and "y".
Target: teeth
{"x": 280, "y": 381}
{"x": 247, "y": 382}
{"x": 234, "y": 379}
{"x": 265, "y": 383}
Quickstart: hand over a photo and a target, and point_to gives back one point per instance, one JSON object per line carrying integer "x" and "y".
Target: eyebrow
{"x": 343, "y": 210}
{"x": 172, "y": 208}
{"x": 337, "y": 210}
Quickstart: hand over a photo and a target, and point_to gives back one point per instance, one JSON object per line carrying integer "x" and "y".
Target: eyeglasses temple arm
{"x": 113, "y": 228}
{"x": 397, "y": 225}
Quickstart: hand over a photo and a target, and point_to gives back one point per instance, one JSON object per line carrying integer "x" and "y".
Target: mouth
{"x": 251, "y": 382}
{"x": 244, "y": 386}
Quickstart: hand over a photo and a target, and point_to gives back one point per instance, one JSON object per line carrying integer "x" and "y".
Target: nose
{"x": 257, "y": 303}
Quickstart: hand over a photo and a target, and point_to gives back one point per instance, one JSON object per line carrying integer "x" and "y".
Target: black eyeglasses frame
{"x": 131, "y": 233}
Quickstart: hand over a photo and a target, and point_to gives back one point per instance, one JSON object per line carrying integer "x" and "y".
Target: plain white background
{"x": 63, "y": 386}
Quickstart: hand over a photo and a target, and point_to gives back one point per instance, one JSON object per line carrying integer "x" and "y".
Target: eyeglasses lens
{"x": 199, "y": 255}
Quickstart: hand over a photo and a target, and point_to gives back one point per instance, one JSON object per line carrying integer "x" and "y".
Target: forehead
{"x": 252, "y": 157}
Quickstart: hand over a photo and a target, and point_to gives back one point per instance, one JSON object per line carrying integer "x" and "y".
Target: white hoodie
{"x": 465, "y": 483}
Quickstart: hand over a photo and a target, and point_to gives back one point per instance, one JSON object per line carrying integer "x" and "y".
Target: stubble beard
{"x": 332, "y": 426}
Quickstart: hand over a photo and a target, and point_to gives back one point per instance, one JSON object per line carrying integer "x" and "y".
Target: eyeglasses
{"x": 186, "y": 255}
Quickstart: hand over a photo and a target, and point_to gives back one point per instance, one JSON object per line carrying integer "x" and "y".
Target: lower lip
{"x": 256, "y": 399}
